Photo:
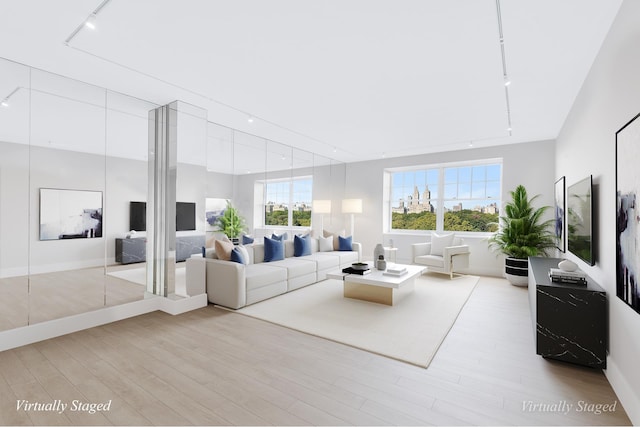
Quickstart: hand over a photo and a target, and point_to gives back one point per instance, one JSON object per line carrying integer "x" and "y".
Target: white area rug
{"x": 411, "y": 331}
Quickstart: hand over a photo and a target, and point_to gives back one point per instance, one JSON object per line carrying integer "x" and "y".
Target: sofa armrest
{"x": 357, "y": 247}
{"x": 226, "y": 284}
{"x": 420, "y": 249}
{"x": 455, "y": 250}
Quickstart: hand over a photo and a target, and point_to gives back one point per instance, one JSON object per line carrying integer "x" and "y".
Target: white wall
{"x": 531, "y": 164}
{"x": 609, "y": 98}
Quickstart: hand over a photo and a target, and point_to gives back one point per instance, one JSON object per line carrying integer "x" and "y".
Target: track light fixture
{"x": 507, "y": 82}
{"x": 89, "y": 22}
{"x": 5, "y": 102}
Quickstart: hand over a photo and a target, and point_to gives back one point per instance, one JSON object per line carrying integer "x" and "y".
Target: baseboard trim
{"x": 25, "y": 335}
{"x": 183, "y": 305}
{"x": 628, "y": 399}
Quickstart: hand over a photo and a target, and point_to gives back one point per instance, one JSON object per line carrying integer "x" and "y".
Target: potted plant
{"x": 523, "y": 233}
{"x": 231, "y": 223}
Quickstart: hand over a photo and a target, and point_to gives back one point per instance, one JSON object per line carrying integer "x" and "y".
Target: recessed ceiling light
{"x": 507, "y": 82}
{"x": 4, "y": 103}
{"x": 250, "y": 119}
{"x": 470, "y": 143}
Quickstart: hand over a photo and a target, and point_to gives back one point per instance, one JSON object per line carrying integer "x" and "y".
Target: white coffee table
{"x": 376, "y": 286}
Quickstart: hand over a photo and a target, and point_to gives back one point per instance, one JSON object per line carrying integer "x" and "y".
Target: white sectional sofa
{"x": 234, "y": 285}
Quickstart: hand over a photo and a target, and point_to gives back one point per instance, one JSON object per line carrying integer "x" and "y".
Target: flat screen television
{"x": 138, "y": 216}
{"x": 185, "y": 216}
{"x": 580, "y": 220}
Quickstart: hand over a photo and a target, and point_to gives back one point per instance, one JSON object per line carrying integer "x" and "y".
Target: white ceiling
{"x": 347, "y": 79}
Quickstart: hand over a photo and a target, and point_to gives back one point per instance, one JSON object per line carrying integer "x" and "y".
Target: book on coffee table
{"x": 351, "y": 270}
{"x": 395, "y": 272}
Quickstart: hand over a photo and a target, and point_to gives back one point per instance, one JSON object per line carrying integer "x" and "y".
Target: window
{"x": 460, "y": 197}
{"x": 287, "y": 202}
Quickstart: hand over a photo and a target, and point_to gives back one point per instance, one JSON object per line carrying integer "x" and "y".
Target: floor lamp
{"x": 352, "y": 206}
{"x": 321, "y": 207}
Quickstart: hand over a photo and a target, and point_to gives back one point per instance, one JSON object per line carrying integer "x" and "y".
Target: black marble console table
{"x": 135, "y": 250}
{"x": 570, "y": 321}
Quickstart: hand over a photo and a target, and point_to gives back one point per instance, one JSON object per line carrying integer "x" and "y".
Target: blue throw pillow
{"x": 283, "y": 236}
{"x": 247, "y": 240}
{"x": 301, "y": 245}
{"x": 204, "y": 252}
{"x": 345, "y": 243}
{"x": 273, "y": 250}
{"x": 236, "y": 256}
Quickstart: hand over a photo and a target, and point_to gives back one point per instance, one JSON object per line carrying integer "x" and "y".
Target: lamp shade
{"x": 321, "y": 206}
{"x": 352, "y": 206}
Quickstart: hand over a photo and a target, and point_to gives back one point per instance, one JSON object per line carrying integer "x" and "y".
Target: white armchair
{"x": 444, "y": 254}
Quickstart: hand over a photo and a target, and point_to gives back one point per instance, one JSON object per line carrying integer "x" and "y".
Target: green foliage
{"x": 464, "y": 220}
{"x": 523, "y": 233}
{"x": 300, "y": 218}
{"x": 230, "y": 222}
{"x": 276, "y": 218}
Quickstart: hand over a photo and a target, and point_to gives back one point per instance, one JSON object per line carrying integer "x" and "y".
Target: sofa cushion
{"x": 430, "y": 260}
{"x": 295, "y": 266}
{"x": 273, "y": 250}
{"x": 247, "y": 239}
{"x": 259, "y": 275}
{"x": 323, "y": 262}
{"x": 345, "y": 243}
{"x": 344, "y": 257}
{"x": 238, "y": 256}
{"x": 438, "y": 243}
{"x": 223, "y": 249}
{"x": 301, "y": 245}
{"x": 325, "y": 244}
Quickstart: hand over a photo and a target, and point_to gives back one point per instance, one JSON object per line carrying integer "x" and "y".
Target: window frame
{"x": 264, "y": 183}
{"x": 440, "y": 200}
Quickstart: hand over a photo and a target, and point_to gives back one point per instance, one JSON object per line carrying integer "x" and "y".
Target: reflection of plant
{"x": 523, "y": 232}
{"x": 578, "y": 229}
{"x": 230, "y": 222}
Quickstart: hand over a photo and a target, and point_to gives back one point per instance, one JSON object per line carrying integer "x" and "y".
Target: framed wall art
{"x": 560, "y": 207}
{"x": 70, "y": 214}
{"x": 628, "y": 213}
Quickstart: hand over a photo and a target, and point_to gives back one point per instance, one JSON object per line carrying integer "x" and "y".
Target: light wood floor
{"x": 211, "y": 367}
{"x": 27, "y": 300}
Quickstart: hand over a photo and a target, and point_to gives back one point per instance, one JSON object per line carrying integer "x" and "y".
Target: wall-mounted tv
{"x": 185, "y": 216}
{"x": 580, "y": 220}
{"x": 138, "y": 216}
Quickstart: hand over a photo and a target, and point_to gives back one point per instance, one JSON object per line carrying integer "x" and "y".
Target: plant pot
{"x": 517, "y": 271}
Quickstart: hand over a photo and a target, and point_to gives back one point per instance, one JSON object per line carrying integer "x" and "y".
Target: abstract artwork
{"x": 214, "y": 208}
{"x": 559, "y": 213}
{"x": 70, "y": 214}
{"x": 628, "y": 213}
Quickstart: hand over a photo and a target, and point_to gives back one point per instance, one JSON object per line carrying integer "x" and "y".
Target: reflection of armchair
{"x": 444, "y": 254}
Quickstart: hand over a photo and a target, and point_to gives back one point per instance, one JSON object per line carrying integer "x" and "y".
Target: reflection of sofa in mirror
{"x": 235, "y": 285}
{"x": 133, "y": 250}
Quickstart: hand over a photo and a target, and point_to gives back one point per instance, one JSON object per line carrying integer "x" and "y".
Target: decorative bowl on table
{"x": 360, "y": 266}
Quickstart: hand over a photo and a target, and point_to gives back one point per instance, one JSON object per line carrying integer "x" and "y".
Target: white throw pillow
{"x": 438, "y": 243}
{"x": 245, "y": 253}
{"x": 325, "y": 244}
